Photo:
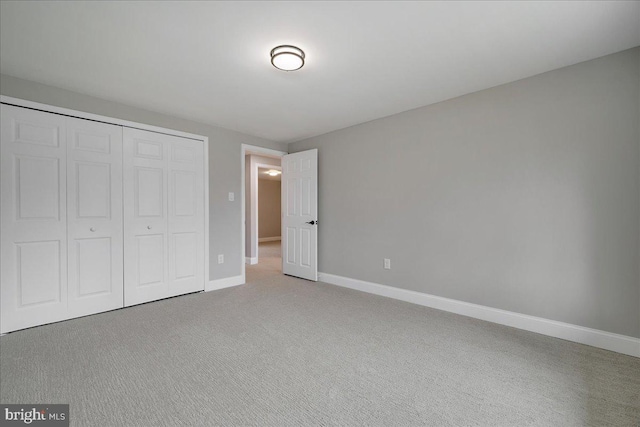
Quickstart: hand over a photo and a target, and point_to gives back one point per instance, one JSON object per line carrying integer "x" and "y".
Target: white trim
{"x": 269, "y": 239}
{"x": 207, "y": 219}
{"x": 126, "y": 123}
{"x": 257, "y": 150}
{"x": 593, "y": 337}
{"x": 89, "y": 116}
{"x": 251, "y": 261}
{"x": 245, "y": 148}
{"x": 227, "y": 282}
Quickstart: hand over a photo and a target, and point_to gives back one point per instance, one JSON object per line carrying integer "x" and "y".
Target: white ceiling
{"x": 209, "y": 61}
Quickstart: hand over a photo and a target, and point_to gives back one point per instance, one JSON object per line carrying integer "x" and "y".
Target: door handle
{"x": 312, "y": 222}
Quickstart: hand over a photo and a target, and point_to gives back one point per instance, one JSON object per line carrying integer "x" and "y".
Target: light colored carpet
{"x": 269, "y": 263}
{"x": 272, "y": 251}
{"x": 281, "y": 351}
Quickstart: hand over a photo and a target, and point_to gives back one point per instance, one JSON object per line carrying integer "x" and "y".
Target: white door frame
{"x": 249, "y": 149}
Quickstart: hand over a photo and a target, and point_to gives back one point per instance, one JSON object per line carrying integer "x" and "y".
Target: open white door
{"x": 300, "y": 214}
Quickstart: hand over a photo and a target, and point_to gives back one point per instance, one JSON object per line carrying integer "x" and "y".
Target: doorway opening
{"x": 261, "y": 212}
{"x": 269, "y": 223}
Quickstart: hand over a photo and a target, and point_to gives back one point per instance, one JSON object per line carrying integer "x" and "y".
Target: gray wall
{"x": 224, "y": 161}
{"x": 523, "y": 197}
{"x": 269, "y": 208}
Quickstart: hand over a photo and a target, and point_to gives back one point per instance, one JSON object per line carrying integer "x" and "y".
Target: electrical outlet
{"x": 387, "y": 264}
{"x": 232, "y": 197}
{"x": 221, "y": 259}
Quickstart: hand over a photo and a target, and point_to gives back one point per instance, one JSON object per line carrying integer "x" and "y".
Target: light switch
{"x": 232, "y": 197}
{"x": 387, "y": 264}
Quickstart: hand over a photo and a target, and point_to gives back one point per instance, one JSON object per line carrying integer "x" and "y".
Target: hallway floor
{"x": 269, "y": 262}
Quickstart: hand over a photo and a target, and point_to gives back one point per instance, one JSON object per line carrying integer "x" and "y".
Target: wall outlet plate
{"x": 221, "y": 259}
{"x": 232, "y": 196}
{"x": 387, "y": 264}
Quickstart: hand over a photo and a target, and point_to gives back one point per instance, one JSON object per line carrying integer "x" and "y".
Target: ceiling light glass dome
{"x": 287, "y": 58}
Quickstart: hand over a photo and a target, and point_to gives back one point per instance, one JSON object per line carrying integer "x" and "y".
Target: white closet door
{"x": 146, "y": 274}
{"x": 186, "y": 216}
{"x": 94, "y": 216}
{"x": 163, "y": 216}
{"x": 34, "y": 231}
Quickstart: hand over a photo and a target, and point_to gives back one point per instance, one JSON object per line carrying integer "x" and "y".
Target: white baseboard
{"x": 593, "y": 337}
{"x": 227, "y": 282}
{"x": 251, "y": 261}
{"x": 269, "y": 239}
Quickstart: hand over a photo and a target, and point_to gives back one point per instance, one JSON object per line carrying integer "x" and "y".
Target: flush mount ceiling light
{"x": 273, "y": 172}
{"x": 287, "y": 58}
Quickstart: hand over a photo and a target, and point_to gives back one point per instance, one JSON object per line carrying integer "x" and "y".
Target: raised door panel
{"x": 38, "y": 265}
{"x": 305, "y": 247}
{"x": 93, "y": 140}
{"x": 37, "y": 192}
{"x": 93, "y": 190}
{"x": 147, "y": 149}
{"x": 149, "y": 192}
{"x": 94, "y": 197}
{"x": 185, "y": 255}
{"x": 33, "y": 248}
{"x": 184, "y": 189}
{"x": 95, "y": 266}
{"x": 291, "y": 246}
{"x": 305, "y": 197}
{"x": 32, "y": 128}
{"x": 187, "y": 152}
{"x": 150, "y": 255}
{"x": 291, "y": 197}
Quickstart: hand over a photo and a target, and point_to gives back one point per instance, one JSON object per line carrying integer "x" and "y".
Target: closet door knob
{"x": 148, "y": 227}
{"x": 92, "y": 229}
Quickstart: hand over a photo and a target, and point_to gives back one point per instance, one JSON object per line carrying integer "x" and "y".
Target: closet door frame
{"x": 126, "y": 123}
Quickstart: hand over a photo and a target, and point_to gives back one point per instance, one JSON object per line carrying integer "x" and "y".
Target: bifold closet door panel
{"x": 94, "y": 217}
{"x": 146, "y": 274}
{"x": 163, "y": 216}
{"x": 33, "y": 248}
{"x": 186, "y": 216}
